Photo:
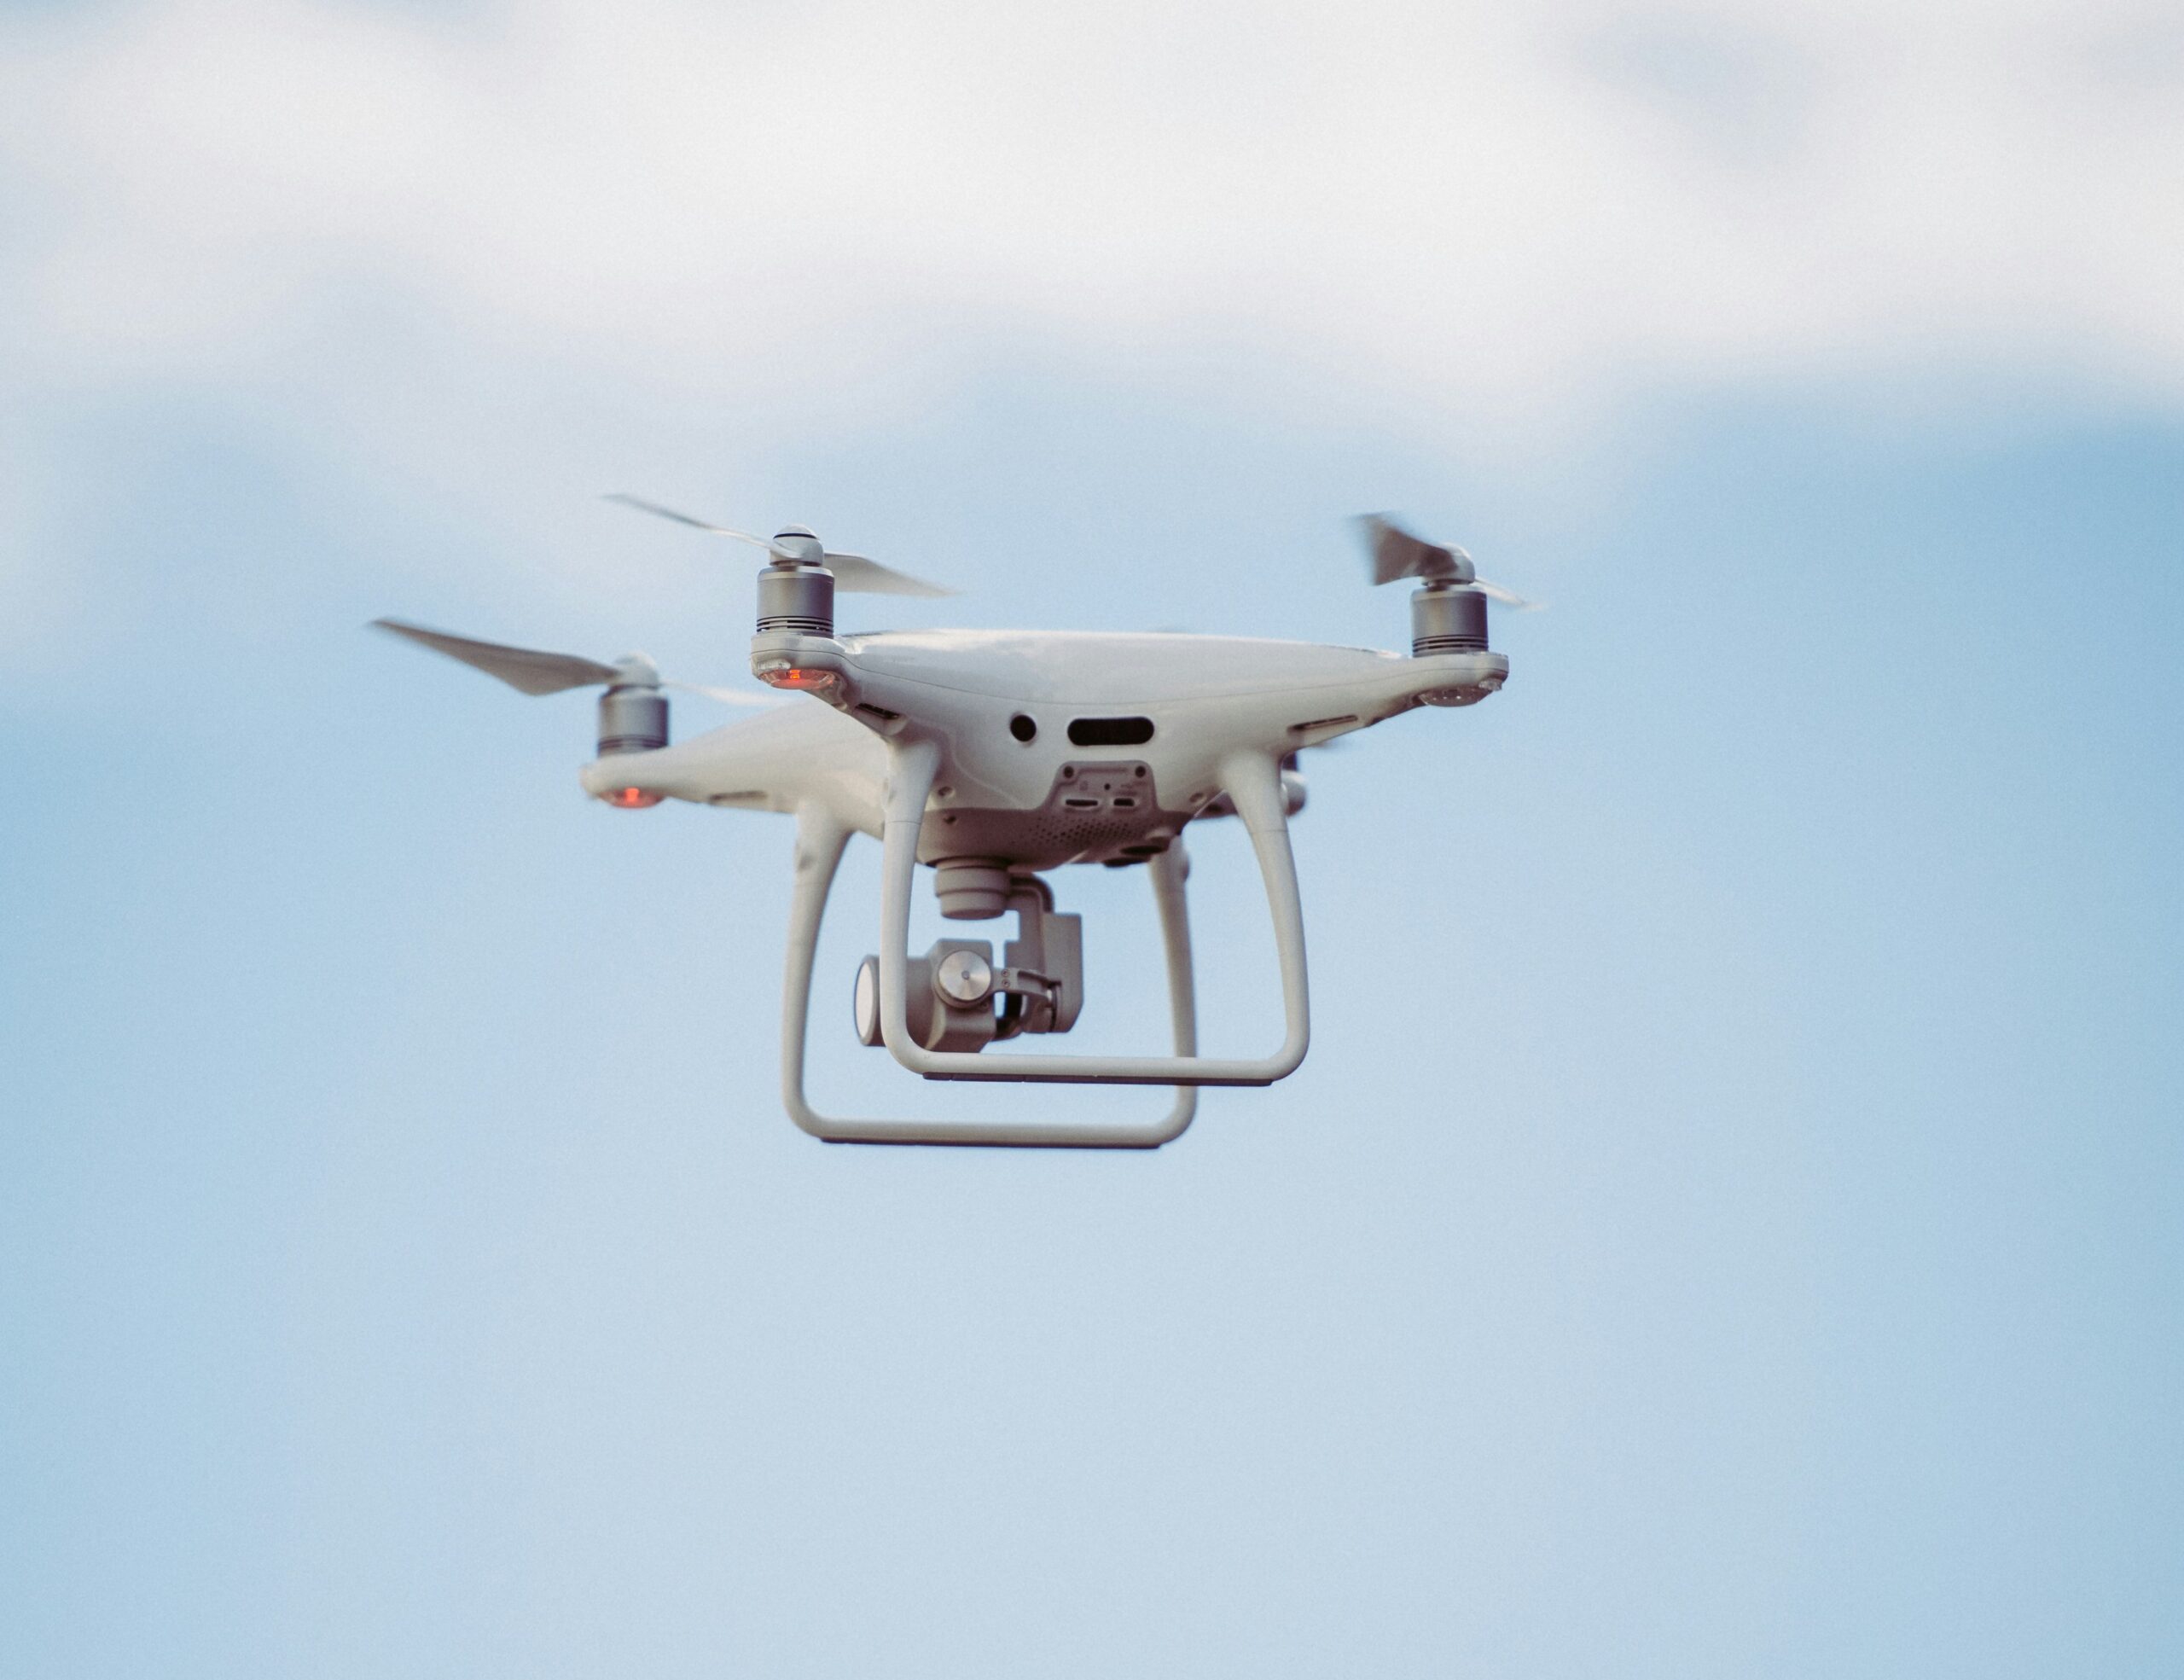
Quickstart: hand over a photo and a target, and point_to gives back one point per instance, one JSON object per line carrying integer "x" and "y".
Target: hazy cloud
{"x": 472, "y": 256}
{"x": 1505, "y": 209}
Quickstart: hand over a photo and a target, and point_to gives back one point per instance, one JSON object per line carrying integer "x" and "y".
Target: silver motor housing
{"x": 632, "y": 719}
{"x": 1447, "y": 617}
{"x": 798, "y": 600}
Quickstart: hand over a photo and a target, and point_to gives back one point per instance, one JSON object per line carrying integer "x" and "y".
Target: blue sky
{"x": 1728, "y": 1222}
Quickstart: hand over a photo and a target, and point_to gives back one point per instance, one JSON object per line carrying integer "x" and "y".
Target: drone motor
{"x": 632, "y": 719}
{"x": 1447, "y": 617}
{"x": 796, "y": 598}
{"x": 1448, "y": 614}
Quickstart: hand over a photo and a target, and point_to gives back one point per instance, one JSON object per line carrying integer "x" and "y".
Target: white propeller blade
{"x": 853, "y": 573}
{"x": 528, "y": 669}
{"x": 643, "y": 506}
{"x": 535, "y": 671}
{"x": 1509, "y": 598}
{"x": 1393, "y": 553}
{"x": 729, "y": 696}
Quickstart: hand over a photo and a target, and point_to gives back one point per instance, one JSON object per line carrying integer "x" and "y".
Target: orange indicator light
{"x": 794, "y": 676}
{"x": 633, "y": 798}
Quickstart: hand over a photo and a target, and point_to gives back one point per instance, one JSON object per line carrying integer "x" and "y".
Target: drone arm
{"x": 1254, "y": 780}
{"x": 820, "y": 838}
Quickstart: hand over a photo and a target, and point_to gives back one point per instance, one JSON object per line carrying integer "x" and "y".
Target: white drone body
{"x": 993, "y": 756}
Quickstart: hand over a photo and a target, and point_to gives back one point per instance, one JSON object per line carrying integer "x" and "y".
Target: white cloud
{"x": 1505, "y": 208}
{"x": 1510, "y": 219}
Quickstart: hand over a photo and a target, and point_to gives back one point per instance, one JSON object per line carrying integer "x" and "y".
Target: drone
{"x": 993, "y": 757}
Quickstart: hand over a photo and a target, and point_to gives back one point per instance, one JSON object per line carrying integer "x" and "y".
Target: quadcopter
{"x": 992, "y": 758}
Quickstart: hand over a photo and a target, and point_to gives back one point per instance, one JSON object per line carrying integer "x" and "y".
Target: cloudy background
{"x": 1727, "y": 1222}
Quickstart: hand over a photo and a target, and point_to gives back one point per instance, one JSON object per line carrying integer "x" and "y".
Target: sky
{"x": 1727, "y": 1223}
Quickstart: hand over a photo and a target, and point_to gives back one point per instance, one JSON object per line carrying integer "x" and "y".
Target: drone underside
{"x": 994, "y": 758}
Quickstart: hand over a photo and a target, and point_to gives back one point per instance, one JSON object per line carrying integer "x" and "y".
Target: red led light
{"x": 794, "y": 677}
{"x": 632, "y": 798}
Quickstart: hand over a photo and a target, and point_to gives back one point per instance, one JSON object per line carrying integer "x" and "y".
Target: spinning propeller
{"x": 535, "y": 671}
{"x": 1395, "y": 553}
{"x": 794, "y": 545}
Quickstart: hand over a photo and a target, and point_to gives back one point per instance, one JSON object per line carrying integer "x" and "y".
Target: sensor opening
{"x": 1110, "y": 732}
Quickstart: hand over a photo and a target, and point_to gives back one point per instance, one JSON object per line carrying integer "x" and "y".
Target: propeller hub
{"x": 799, "y": 547}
